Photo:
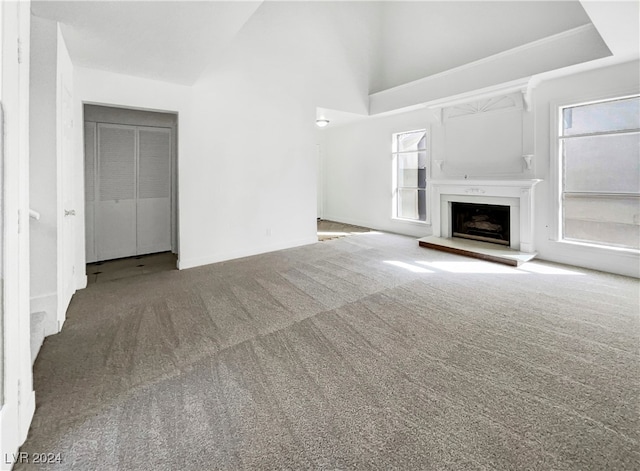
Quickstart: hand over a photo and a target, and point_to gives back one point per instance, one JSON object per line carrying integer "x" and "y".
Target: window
{"x": 600, "y": 172}
{"x": 410, "y": 175}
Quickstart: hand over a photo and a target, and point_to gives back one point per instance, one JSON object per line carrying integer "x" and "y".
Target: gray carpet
{"x": 102, "y": 272}
{"x": 348, "y": 354}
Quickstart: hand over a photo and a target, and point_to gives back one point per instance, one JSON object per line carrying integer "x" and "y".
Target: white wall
{"x": 43, "y": 170}
{"x": 249, "y": 183}
{"x": 357, "y": 171}
{"x": 597, "y": 84}
{"x": 246, "y": 133}
{"x": 357, "y": 165}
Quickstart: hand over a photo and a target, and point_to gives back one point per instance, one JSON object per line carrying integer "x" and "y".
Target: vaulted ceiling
{"x": 175, "y": 41}
{"x": 420, "y": 39}
{"x": 171, "y": 41}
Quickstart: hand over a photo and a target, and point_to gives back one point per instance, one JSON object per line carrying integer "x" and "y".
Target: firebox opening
{"x": 484, "y": 222}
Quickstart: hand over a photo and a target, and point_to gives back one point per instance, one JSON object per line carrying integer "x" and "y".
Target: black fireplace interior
{"x": 484, "y": 222}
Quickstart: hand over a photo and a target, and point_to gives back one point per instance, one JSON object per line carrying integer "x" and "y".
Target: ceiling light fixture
{"x": 321, "y": 123}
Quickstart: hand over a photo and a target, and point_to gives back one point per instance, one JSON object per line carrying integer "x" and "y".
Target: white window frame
{"x": 394, "y": 177}
{"x": 556, "y": 175}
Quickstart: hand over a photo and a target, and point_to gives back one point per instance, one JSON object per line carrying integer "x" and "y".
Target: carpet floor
{"x": 109, "y": 270}
{"x": 364, "y": 352}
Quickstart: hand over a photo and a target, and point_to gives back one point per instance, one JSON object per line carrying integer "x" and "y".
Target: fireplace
{"x": 483, "y": 222}
{"x": 517, "y": 195}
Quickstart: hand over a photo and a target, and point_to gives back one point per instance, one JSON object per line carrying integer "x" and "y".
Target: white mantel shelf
{"x": 520, "y": 192}
{"x": 524, "y": 183}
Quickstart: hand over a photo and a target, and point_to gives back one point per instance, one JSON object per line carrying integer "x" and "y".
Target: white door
{"x": 67, "y": 239}
{"x": 319, "y": 182}
{"x": 115, "y": 220}
{"x": 154, "y": 190}
{"x": 90, "y": 156}
{"x": 129, "y": 205}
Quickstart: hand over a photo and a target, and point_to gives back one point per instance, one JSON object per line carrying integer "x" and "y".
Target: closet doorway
{"x": 130, "y": 183}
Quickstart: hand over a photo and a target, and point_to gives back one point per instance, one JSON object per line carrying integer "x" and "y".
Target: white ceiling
{"x": 175, "y": 41}
{"x": 420, "y": 39}
{"x": 618, "y": 22}
{"x": 171, "y": 41}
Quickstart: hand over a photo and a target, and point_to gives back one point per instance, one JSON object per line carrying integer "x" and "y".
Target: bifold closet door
{"x": 128, "y": 190}
{"x": 90, "y": 156}
{"x": 115, "y": 218}
{"x": 153, "y": 224}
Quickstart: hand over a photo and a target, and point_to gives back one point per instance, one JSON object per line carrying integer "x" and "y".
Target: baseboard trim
{"x": 26, "y": 416}
{"x": 406, "y": 228}
{"x": 81, "y": 282}
{"x": 222, "y": 257}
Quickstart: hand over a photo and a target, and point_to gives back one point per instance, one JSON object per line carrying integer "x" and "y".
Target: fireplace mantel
{"x": 520, "y": 192}
{"x": 523, "y": 183}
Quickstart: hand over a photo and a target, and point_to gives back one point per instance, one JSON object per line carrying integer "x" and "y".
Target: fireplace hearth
{"x": 483, "y": 222}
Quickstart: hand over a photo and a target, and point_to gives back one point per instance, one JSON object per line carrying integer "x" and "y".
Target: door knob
{"x": 69, "y": 212}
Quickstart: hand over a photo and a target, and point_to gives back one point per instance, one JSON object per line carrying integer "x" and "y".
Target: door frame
{"x": 175, "y": 219}
{"x": 17, "y": 400}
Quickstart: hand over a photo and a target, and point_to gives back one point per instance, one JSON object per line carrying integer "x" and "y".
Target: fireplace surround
{"x": 517, "y": 195}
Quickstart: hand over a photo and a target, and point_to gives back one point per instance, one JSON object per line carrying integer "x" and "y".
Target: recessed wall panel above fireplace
{"x": 490, "y": 138}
